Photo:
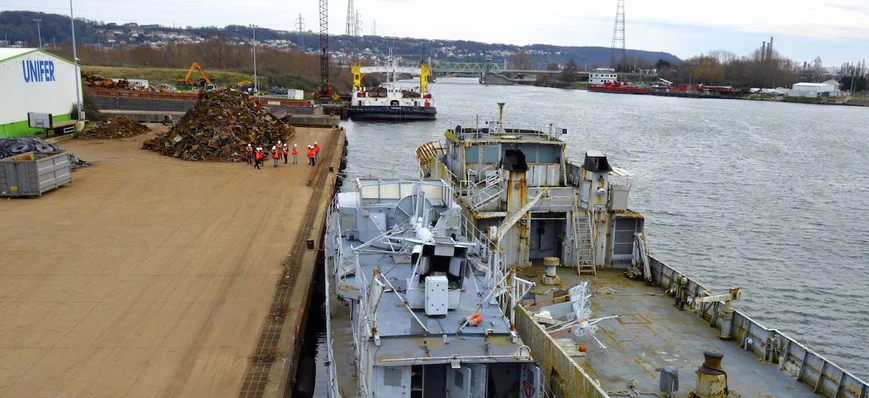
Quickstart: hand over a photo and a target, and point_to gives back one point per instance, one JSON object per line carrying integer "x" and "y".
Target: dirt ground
{"x": 147, "y": 276}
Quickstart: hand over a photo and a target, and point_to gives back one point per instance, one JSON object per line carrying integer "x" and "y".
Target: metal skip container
{"x": 32, "y": 174}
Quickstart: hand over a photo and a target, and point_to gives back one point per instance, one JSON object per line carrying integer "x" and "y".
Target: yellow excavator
{"x": 204, "y": 83}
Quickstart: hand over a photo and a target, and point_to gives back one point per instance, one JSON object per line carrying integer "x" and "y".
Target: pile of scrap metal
{"x": 97, "y": 81}
{"x": 219, "y": 126}
{"x": 91, "y": 80}
{"x": 16, "y": 146}
{"x": 116, "y": 127}
{"x": 573, "y": 315}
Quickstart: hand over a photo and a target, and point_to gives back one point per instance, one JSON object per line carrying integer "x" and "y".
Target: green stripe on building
{"x": 19, "y": 129}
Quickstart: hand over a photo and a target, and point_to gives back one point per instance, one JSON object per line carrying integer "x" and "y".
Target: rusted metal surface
{"x": 103, "y": 92}
{"x": 554, "y": 362}
{"x": 427, "y": 153}
{"x": 191, "y": 97}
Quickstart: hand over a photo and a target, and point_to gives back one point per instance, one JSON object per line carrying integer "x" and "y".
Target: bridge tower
{"x": 618, "y": 46}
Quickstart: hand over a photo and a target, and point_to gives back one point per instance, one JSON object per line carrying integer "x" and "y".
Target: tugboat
{"x": 391, "y": 101}
{"x": 418, "y": 303}
{"x": 604, "y": 317}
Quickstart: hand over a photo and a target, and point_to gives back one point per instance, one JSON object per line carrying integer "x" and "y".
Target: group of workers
{"x": 256, "y": 155}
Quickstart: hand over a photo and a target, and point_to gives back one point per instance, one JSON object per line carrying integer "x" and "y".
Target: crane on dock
{"x": 325, "y": 93}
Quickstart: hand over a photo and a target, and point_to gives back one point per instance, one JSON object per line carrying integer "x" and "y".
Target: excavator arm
{"x": 195, "y": 66}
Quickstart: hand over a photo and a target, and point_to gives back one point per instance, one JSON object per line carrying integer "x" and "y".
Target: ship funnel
{"x": 501, "y": 116}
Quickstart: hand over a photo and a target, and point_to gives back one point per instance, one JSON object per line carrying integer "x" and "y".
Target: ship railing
{"x": 769, "y": 345}
{"x": 518, "y": 289}
{"x": 338, "y": 259}
{"x": 494, "y": 127}
{"x": 427, "y": 154}
{"x": 488, "y": 253}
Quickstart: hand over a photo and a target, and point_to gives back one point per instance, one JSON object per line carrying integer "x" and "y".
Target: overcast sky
{"x": 835, "y": 30}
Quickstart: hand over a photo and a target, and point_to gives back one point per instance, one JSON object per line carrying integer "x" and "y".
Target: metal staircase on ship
{"x": 582, "y": 242}
{"x": 491, "y": 187}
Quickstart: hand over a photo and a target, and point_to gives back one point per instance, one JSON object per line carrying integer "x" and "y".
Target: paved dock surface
{"x": 147, "y": 276}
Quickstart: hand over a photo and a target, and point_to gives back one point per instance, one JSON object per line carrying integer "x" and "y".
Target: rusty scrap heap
{"x": 94, "y": 81}
{"x": 116, "y": 127}
{"x": 221, "y": 124}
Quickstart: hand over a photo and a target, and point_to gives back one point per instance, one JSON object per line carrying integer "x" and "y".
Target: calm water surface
{"x": 769, "y": 197}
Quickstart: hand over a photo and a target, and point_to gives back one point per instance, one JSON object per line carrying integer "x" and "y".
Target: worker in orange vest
{"x": 249, "y": 150}
{"x": 259, "y": 157}
{"x": 316, "y": 151}
{"x": 311, "y": 155}
{"x": 276, "y": 154}
{"x": 286, "y": 152}
{"x": 295, "y": 154}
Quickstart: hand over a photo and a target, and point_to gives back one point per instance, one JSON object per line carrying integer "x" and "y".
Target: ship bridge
{"x": 562, "y": 209}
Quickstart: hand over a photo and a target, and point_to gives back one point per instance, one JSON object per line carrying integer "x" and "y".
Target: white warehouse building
{"x": 829, "y": 88}
{"x": 32, "y": 80}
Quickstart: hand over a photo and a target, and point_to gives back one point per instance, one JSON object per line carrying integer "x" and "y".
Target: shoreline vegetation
{"x": 859, "y": 100}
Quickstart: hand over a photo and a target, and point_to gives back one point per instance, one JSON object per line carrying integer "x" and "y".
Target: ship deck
{"x": 651, "y": 334}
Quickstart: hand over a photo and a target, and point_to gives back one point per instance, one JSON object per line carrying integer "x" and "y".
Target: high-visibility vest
{"x": 259, "y": 155}
{"x": 311, "y": 153}
{"x": 286, "y": 149}
{"x": 316, "y": 149}
{"x": 249, "y": 150}
{"x": 295, "y": 151}
{"x": 276, "y": 153}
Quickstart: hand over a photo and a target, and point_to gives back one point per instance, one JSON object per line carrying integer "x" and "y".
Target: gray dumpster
{"x": 32, "y": 174}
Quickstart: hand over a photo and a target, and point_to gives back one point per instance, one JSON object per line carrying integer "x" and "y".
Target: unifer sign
{"x": 36, "y": 71}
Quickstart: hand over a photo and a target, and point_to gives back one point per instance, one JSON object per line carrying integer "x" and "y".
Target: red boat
{"x": 619, "y": 88}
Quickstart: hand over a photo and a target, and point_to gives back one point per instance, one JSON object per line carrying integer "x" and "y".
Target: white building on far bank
{"x": 829, "y": 88}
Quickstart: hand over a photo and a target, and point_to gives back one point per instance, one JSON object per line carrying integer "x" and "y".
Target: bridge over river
{"x": 492, "y": 73}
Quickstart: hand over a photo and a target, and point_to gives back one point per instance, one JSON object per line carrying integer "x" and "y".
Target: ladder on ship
{"x": 583, "y": 243}
{"x": 491, "y": 191}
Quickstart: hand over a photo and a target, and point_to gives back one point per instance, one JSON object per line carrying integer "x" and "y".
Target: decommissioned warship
{"x": 508, "y": 270}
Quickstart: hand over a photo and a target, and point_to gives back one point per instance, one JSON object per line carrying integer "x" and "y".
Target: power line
{"x": 351, "y": 19}
{"x": 358, "y": 22}
{"x": 300, "y": 24}
{"x": 618, "y": 45}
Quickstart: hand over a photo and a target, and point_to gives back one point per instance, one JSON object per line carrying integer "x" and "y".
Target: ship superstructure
{"x": 417, "y": 303}
{"x": 606, "y": 318}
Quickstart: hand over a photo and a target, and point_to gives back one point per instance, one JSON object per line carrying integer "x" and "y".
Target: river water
{"x": 769, "y": 197}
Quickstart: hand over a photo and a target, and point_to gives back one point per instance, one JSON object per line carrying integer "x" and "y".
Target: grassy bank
{"x": 803, "y": 100}
{"x": 169, "y": 75}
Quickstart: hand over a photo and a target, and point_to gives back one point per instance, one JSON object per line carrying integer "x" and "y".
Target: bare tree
{"x": 521, "y": 61}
